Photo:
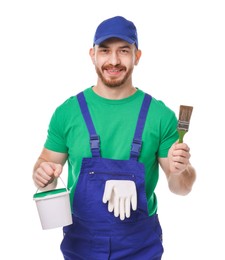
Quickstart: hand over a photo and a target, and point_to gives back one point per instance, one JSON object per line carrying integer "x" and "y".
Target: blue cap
{"x": 116, "y": 27}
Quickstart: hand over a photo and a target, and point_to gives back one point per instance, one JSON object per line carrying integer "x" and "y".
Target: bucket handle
{"x": 61, "y": 181}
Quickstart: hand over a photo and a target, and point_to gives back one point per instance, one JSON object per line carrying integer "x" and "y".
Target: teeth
{"x": 114, "y": 70}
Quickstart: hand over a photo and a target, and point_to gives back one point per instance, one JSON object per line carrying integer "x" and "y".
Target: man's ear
{"x": 137, "y": 56}
{"x": 92, "y": 54}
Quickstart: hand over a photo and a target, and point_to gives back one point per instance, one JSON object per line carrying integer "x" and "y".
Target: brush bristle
{"x": 184, "y": 118}
{"x": 185, "y": 113}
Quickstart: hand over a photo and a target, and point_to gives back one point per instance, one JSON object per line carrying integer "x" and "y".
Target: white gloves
{"x": 121, "y": 195}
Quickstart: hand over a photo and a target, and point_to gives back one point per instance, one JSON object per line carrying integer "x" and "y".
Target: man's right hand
{"x": 46, "y": 172}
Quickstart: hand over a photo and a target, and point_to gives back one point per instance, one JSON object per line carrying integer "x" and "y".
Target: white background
{"x": 44, "y": 59}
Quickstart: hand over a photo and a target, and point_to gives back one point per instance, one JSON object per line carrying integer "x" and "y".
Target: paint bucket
{"x": 53, "y": 208}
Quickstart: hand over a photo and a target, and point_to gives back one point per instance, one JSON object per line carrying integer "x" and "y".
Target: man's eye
{"x": 124, "y": 51}
{"x": 104, "y": 50}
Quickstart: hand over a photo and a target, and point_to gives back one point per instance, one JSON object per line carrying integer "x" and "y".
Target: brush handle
{"x": 181, "y": 135}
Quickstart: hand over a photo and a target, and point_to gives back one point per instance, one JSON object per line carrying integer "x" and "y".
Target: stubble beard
{"x": 113, "y": 83}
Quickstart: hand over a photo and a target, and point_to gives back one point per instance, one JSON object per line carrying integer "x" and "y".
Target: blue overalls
{"x": 96, "y": 234}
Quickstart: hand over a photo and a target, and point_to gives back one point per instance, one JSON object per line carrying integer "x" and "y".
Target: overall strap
{"x": 94, "y": 138}
{"x": 137, "y": 141}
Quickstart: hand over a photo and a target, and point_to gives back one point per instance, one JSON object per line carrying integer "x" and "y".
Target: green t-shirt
{"x": 115, "y": 123}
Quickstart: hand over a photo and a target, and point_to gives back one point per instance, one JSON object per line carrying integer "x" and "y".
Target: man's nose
{"x": 114, "y": 59}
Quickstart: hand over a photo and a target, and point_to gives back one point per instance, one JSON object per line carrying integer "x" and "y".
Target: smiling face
{"x": 114, "y": 60}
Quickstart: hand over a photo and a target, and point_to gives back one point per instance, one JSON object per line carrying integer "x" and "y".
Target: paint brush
{"x": 184, "y": 121}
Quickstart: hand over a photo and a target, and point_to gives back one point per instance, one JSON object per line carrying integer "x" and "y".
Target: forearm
{"x": 182, "y": 183}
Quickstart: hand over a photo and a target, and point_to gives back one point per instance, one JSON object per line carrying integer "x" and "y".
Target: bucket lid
{"x": 49, "y": 192}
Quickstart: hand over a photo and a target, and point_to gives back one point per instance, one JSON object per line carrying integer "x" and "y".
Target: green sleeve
{"x": 55, "y": 139}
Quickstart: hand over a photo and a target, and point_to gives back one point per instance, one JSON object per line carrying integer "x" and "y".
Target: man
{"x": 114, "y": 137}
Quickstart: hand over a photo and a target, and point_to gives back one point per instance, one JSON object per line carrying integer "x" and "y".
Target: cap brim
{"x": 106, "y": 37}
